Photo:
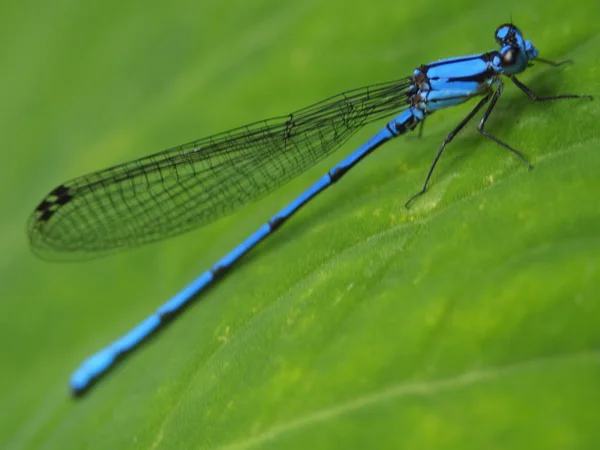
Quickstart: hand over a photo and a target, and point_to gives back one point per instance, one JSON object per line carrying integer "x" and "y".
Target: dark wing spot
{"x": 48, "y": 206}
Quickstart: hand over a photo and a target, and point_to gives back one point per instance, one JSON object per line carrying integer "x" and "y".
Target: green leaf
{"x": 468, "y": 321}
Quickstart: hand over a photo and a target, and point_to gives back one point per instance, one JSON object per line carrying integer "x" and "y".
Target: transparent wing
{"x": 179, "y": 189}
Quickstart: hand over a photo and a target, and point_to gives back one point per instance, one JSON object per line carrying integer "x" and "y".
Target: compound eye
{"x": 501, "y": 33}
{"x": 510, "y": 57}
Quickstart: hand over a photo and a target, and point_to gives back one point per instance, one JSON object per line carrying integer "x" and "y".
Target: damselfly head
{"x": 515, "y": 51}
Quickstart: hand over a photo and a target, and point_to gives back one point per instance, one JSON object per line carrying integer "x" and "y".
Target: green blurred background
{"x": 470, "y": 321}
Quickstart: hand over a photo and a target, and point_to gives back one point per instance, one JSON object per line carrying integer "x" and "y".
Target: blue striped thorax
{"x": 452, "y": 81}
